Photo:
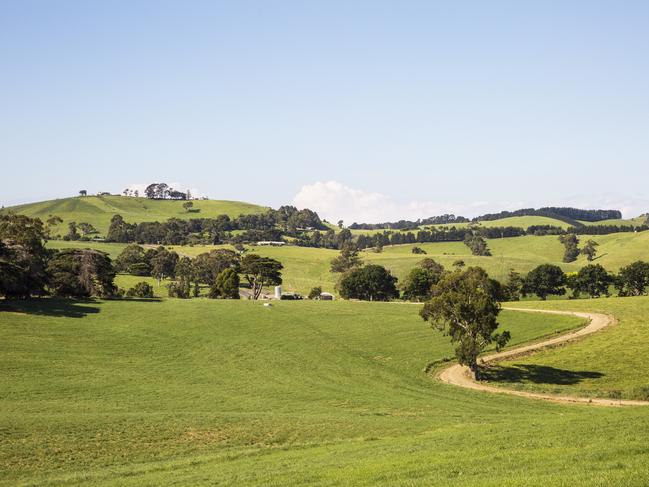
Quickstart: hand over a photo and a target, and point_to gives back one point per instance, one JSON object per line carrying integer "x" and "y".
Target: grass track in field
{"x": 607, "y": 364}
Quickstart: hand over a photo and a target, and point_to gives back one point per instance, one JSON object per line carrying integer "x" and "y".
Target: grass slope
{"x": 212, "y": 392}
{"x": 98, "y": 210}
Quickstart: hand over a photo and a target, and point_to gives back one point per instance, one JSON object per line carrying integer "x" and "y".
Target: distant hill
{"x": 98, "y": 210}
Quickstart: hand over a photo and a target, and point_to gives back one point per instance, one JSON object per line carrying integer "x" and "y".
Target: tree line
{"x": 28, "y": 268}
{"x": 217, "y": 269}
{"x": 372, "y": 282}
{"x": 573, "y": 216}
{"x": 270, "y": 225}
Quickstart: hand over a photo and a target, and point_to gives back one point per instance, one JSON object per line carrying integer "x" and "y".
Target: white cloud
{"x": 334, "y": 200}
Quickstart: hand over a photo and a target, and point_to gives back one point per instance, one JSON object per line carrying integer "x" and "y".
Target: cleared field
{"x": 607, "y": 364}
{"x": 514, "y": 221}
{"x": 639, "y": 220}
{"x": 213, "y": 392}
{"x": 98, "y": 210}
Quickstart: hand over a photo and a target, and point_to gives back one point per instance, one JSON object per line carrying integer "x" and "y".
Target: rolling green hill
{"x": 204, "y": 392}
{"x": 98, "y": 210}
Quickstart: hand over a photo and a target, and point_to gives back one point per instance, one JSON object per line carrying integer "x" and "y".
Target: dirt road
{"x": 459, "y": 375}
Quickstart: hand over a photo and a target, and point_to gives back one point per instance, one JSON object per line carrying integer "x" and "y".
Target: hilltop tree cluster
{"x": 162, "y": 191}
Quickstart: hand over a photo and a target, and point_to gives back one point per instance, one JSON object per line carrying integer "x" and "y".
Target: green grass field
{"x": 608, "y": 364}
{"x": 98, "y": 210}
{"x": 205, "y": 392}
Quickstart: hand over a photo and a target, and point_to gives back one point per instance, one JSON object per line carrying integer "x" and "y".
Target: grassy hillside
{"x": 213, "y": 392}
{"x": 98, "y": 210}
{"x": 604, "y": 365}
{"x": 306, "y": 267}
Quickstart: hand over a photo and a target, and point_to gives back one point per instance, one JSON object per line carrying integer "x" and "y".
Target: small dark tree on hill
{"x": 464, "y": 305}
{"x": 179, "y": 289}
{"x": 83, "y": 192}
{"x": 633, "y": 280}
{"x": 226, "y": 285}
{"x": 188, "y": 205}
{"x": 478, "y": 245}
{"x": 315, "y": 293}
{"x": 592, "y": 280}
{"x": 140, "y": 290}
{"x": 513, "y": 287}
{"x": 87, "y": 228}
{"x": 50, "y": 223}
{"x": 545, "y": 280}
{"x": 590, "y": 250}
{"x": 369, "y": 283}
{"x": 184, "y": 274}
{"x": 571, "y": 244}
{"x": 72, "y": 232}
{"x": 347, "y": 260}
{"x": 261, "y": 271}
{"x": 418, "y": 250}
{"x": 119, "y": 230}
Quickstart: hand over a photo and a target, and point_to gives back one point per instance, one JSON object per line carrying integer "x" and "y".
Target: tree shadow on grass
{"x": 538, "y": 374}
{"x": 69, "y": 308}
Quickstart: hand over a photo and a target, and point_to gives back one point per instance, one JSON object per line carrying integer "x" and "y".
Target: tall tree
{"x": 465, "y": 306}
{"x": 72, "y": 234}
{"x": 87, "y": 228}
{"x": 545, "y": 280}
{"x": 590, "y": 250}
{"x": 261, "y": 271}
{"x": 23, "y": 256}
{"x": 209, "y": 265}
{"x": 477, "y": 245}
{"x": 592, "y": 280}
{"x": 633, "y": 279}
{"x": 347, "y": 260}
{"x": 418, "y": 284}
{"x": 81, "y": 273}
{"x": 163, "y": 264}
{"x": 369, "y": 283}
{"x": 119, "y": 230}
{"x": 571, "y": 244}
{"x": 513, "y": 287}
{"x": 226, "y": 285}
{"x": 134, "y": 260}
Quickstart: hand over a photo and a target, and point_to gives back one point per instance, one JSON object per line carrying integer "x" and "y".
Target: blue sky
{"x": 362, "y": 110}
